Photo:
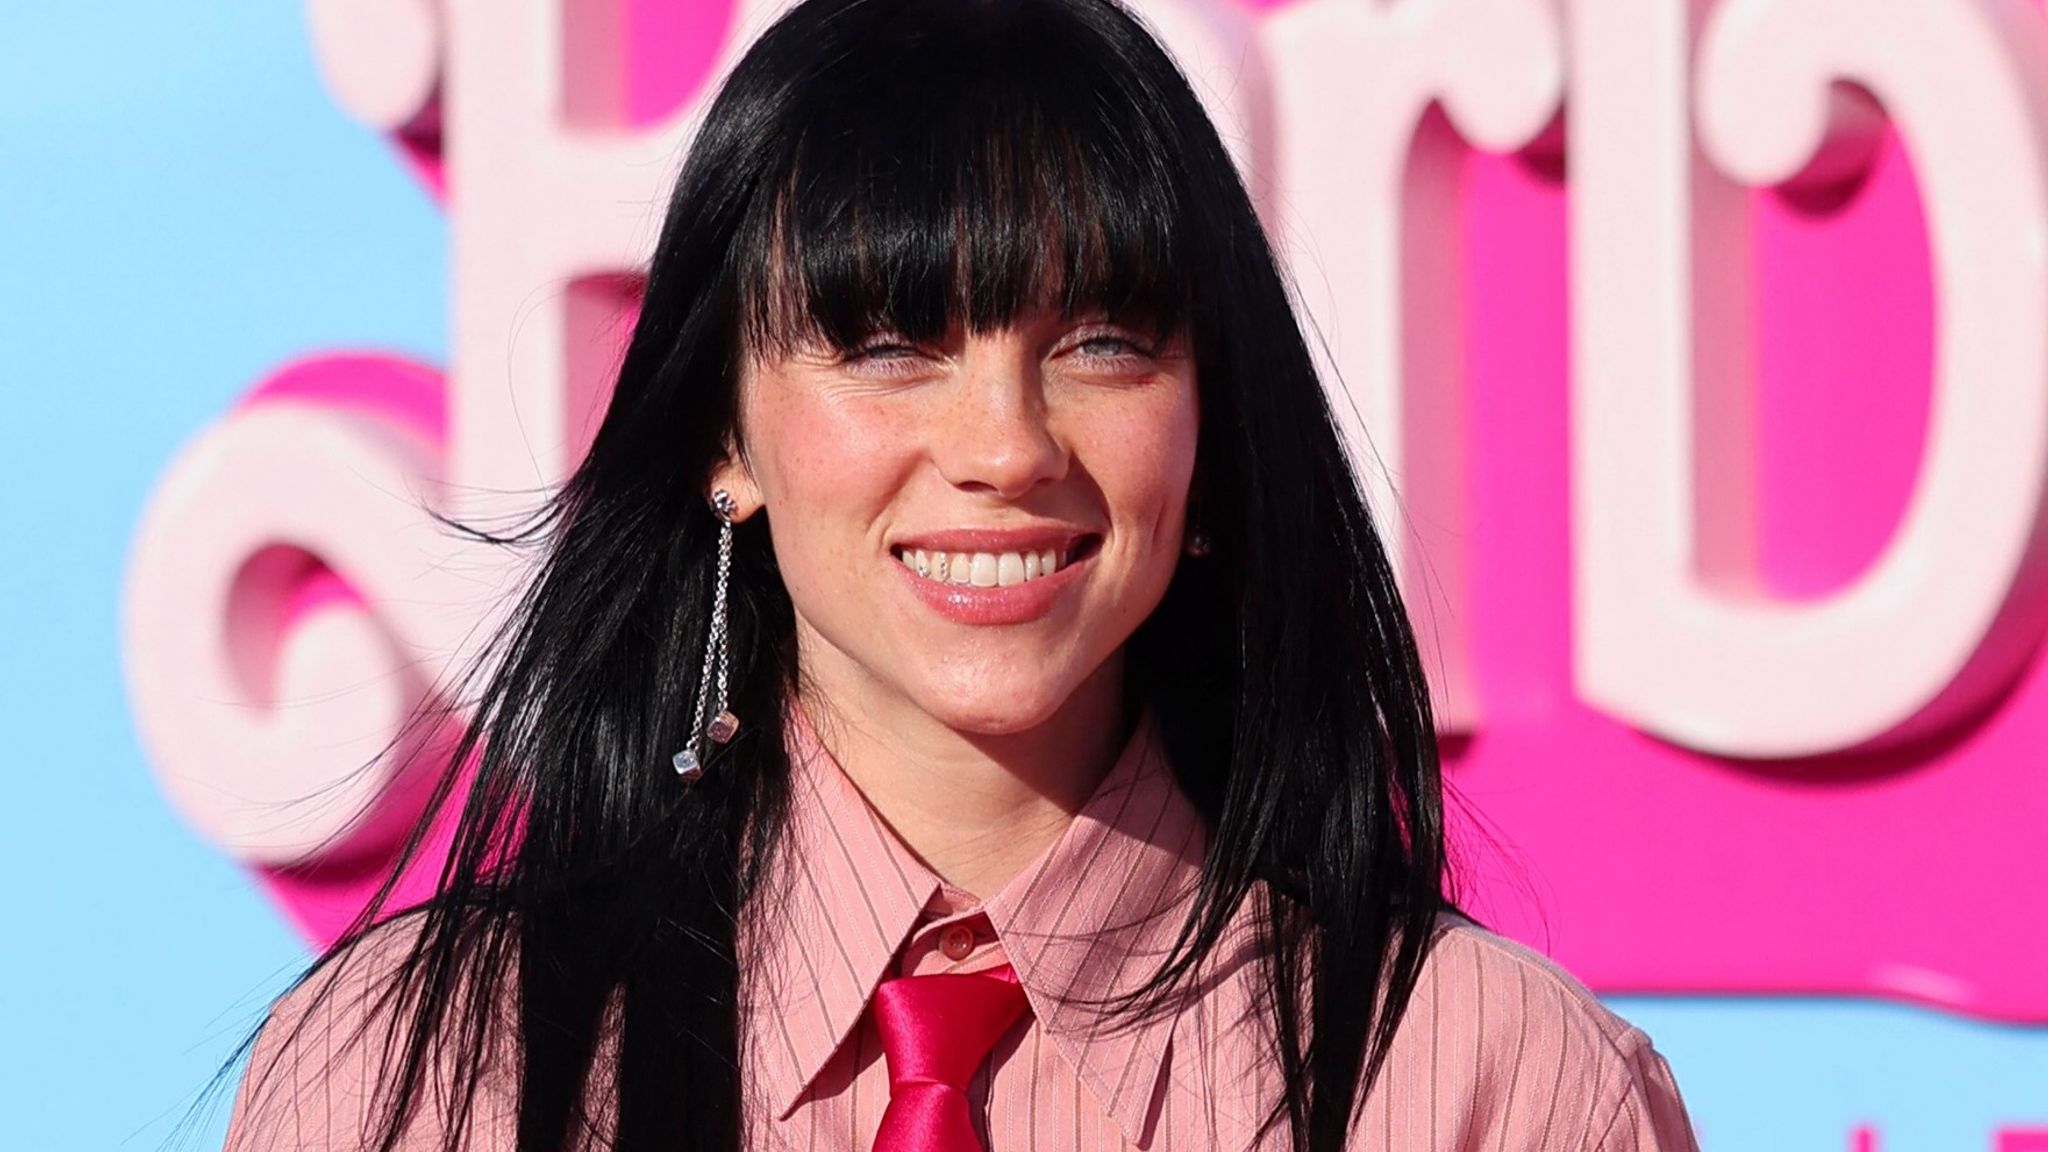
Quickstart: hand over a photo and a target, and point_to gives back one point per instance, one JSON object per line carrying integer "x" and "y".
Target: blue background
{"x": 182, "y": 209}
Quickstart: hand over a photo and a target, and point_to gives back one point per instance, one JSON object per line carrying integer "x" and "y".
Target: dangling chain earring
{"x": 689, "y": 762}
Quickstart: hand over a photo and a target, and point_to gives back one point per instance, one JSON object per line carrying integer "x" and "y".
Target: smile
{"x": 975, "y": 577}
{"x": 981, "y": 569}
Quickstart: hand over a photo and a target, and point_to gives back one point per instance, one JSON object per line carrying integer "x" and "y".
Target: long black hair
{"x": 915, "y": 165}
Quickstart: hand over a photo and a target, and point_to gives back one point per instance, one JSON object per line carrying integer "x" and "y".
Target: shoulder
{"x": 318, "y": 1064}
{"x": 1520, "y": 1047}
{"x": 1498, "y": 993}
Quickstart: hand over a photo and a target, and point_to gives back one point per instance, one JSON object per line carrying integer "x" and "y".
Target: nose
{"x": 998, "y": 435}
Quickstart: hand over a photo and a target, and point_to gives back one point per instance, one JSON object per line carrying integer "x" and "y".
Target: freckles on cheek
{"x": 1150, "y": 463}
{"x": 827, "y": 461}
{"x": 787, "y": 441}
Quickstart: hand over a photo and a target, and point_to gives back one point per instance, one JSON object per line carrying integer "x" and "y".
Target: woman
{"x": 1052, "y": 765}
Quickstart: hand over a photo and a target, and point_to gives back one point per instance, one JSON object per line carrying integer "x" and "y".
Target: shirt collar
{"x": 1091, "y": 918}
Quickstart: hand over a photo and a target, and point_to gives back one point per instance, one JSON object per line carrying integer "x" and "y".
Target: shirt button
{"x": 957, "y": 942}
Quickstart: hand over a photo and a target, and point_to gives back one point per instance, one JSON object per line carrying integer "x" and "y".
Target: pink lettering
{"x": 1723, "y": 525}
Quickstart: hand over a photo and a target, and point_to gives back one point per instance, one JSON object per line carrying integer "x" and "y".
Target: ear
{"x": 733, "y": 475}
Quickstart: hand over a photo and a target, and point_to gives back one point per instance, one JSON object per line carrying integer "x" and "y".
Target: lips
{"x": 1023, "y": 538}
{"x": 991, "y": 557}
{"x": 987, "y": 577}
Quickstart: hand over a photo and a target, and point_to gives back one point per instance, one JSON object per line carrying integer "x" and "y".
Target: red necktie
{"x": 936, "y": 1030}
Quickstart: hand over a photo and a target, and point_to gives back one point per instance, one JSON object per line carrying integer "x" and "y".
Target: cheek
{"x": 827, "y": 473}
{"x": 817, "y": 461}
{"x": 1143, "y": 457}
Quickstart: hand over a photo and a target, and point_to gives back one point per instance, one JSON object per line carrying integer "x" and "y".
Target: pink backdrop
{"x": 1912, "y": 872}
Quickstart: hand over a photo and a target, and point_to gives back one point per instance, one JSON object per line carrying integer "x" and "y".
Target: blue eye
{"x": 1111, "y": 346}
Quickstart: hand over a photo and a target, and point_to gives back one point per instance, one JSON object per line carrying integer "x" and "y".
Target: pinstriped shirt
{"x": 1499, "y": 1049}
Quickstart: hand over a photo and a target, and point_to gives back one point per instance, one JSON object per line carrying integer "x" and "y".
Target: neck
{"x": 976, "y": 808}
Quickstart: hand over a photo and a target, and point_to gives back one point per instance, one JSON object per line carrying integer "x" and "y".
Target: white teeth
{"x": 981, "y": 569}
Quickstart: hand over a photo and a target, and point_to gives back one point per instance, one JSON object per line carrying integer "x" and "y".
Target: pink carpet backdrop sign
{"x": 1696, "y": 356}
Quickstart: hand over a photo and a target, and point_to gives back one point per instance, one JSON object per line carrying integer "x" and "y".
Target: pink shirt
{"x": 1499, "y": 1049}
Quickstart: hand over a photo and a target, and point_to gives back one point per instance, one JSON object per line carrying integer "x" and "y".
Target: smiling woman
{"x": 1058, "y": 770}
{"x": 977, "y": 451}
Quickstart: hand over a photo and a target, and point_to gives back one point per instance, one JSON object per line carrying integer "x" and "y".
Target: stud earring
{"x": 1197, "y": 544}
{"x": 689, "y": 762}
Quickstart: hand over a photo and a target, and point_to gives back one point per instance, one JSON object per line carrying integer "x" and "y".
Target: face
{"x": 973, "y": 528}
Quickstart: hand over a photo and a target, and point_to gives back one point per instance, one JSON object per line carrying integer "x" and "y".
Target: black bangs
{"x": 975, "y": 163}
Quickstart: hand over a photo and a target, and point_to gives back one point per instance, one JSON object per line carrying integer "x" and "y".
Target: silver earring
{"x": 1198, "y": 543}
{"x": 711, "y": 694}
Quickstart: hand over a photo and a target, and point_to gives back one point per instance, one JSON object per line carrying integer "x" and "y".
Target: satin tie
{"x": 936, "y": 1030}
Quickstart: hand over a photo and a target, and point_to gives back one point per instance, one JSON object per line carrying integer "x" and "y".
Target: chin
{"x": 994, "y": 706}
